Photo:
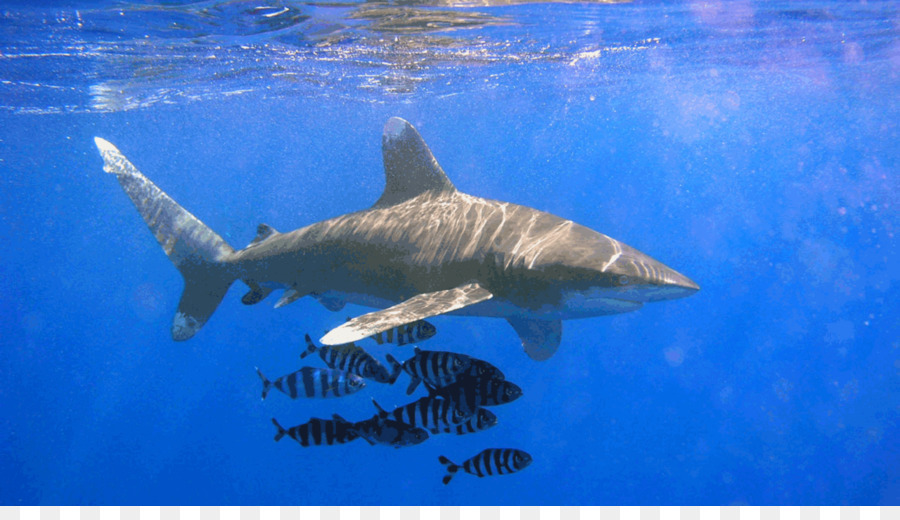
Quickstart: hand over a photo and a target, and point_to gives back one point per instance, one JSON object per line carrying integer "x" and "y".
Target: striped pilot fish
{"x": 469, "y": 393}
{"x": 351, "y": 358}
{"x": 419, "y": 330}
{"x": 484, "y": 370}
{"x": 435, "y": 367}
{"x": 431, "y": 413}
{"x": 479, "y": 421}
{"x": 492, "y": 461}
{"x": 317, "y": 432}
{"x": 314, "y": 382}
{"x": 380, "y": 430}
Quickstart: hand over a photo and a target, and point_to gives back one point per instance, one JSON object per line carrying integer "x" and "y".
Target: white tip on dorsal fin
{"x": 409, "y": 167}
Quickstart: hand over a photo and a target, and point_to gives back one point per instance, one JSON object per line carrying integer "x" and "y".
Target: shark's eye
{"x": 624, "y": 280}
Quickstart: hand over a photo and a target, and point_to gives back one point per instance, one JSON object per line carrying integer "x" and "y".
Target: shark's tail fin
{"x": 196, "y": 250}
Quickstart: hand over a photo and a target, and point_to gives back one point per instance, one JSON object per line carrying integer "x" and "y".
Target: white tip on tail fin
{"x": 113, "y": 160}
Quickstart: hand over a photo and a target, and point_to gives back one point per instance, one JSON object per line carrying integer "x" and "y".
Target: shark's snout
{"x": 665, "y": 284}
{"x": 644, "y": 279}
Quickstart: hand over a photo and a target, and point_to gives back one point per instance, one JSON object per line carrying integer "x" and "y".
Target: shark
{"x": 422, "y": 249}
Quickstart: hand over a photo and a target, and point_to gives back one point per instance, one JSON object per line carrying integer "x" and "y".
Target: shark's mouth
{"x": 592, "y": 304}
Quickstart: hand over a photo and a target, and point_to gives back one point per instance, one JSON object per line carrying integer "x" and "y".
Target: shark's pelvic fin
{"x": 331, "y": 303}
{"x": 410, "y": 169}
{"x": 290, "y": 296}
{"x": 540, "y": 338}
{"x": 256, "y": 294}
{"x": 418, "y": 307}
{"x": 196, "y": 250}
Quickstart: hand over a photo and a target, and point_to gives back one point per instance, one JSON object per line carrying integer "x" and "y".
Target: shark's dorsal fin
{"x": 409, "y": 167}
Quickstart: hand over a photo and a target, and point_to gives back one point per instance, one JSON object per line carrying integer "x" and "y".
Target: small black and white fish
{"x": 479, "y": 421}
{"x": 482, "y": 369}
{"x": 317, "y": 432}
{"x": 436, "y": 367}
{"x": 469, "y": 393}
{"x": 379, "y": 430}
{"x": 414, "y": 332}
{"x": 351, "y": 358}
{"x": 431, "y": 413}
{"x": 314, "y": 382}
{"x": 492, "y": 461}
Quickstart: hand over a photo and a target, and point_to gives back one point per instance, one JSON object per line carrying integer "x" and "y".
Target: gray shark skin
{"x": 423, "y": 249}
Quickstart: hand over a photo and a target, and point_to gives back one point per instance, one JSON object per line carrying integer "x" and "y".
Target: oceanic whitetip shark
{"x": 422, "y": 250}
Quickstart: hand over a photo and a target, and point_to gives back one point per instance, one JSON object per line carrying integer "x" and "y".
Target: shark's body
{"x": 423, "y": 249}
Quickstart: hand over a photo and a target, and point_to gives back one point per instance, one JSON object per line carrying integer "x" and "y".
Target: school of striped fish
{"x": 459, "y": 387}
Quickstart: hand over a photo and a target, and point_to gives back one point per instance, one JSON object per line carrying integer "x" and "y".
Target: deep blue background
{"x": 753, "y": 147}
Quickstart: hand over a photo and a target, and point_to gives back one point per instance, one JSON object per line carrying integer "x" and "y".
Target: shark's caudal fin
{"x": 196, "y": 250}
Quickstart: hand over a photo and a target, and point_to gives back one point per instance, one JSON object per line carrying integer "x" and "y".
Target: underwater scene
{"x": 450, "y": 252}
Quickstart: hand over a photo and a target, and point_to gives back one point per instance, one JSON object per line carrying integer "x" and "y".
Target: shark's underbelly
{"x": 572, "y": 306}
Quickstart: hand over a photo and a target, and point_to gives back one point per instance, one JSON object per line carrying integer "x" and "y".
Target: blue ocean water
{"x": 752, "y": 146}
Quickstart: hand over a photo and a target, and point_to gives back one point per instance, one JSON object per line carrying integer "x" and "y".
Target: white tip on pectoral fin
{"x": 416, "y": 308}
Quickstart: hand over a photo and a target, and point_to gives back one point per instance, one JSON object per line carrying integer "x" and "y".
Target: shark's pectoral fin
{"x": 418, "y": 307}
{"x": 540, "y": 338}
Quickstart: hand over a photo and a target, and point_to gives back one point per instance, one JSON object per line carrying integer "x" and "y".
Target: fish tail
{"x": 310, "y": 347}
{"x": 197, "y": 251}
{"x": 281, "y": 431}
{"x": 396, "y": 368}
{"x": 381, "y": 411}
{"x": 267, "y": 385}
{"x": 451, "y": 469}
